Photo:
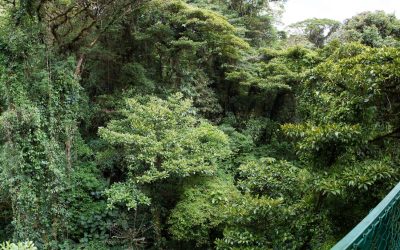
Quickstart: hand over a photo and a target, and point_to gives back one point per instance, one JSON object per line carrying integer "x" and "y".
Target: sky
{"x": 298, "y": 10}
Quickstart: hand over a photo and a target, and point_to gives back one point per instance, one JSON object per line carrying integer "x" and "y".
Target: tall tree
{"x": 374, "y": 29}
{"x": 317, "y": 31}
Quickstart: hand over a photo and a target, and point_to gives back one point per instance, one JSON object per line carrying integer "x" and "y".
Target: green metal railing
{"x": 380, "y": 230}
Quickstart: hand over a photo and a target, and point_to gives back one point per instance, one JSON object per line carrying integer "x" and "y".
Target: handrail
{"x": 366, "y": 234}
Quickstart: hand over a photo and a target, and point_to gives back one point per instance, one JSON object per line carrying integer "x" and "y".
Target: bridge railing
{"x": 380, "y": 230}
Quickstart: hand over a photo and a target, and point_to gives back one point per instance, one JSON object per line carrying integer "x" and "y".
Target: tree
{"x": 20, "y": 245}
{"x": 374, "y": 29}
{"x": 275, "y": 198}
{"x": 317, "y": 31}
{"x": 160, "y": 142}
{"x": 38, "y": 127}
{"x": 350, "y": 108}
{"x": 255, "y": 19}
{"x": 199, "y": 216}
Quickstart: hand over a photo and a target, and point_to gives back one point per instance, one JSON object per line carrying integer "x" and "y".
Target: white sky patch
{"x": 299, "y": 10}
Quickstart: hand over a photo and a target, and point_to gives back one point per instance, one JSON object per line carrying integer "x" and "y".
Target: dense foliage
{"x": 150, "y": 124}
